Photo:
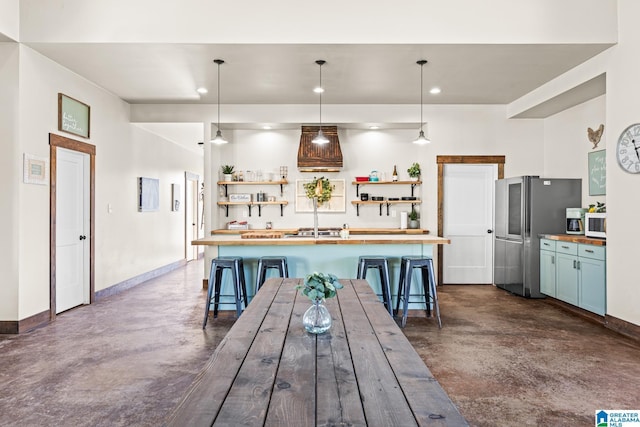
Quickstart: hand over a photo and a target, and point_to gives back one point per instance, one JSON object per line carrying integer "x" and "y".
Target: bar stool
{"x": 407, "y": 264}
{"x": 235, "y": 264}
{"x": 380, "y": 263}
{"x": 267, "y": 262}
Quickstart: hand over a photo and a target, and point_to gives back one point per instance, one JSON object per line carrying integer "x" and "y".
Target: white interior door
{"x": 72, "y": 226}
{"x": 468, "y": 223}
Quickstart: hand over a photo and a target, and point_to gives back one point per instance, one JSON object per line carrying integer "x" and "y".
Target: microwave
{"x": 596, "y": 225}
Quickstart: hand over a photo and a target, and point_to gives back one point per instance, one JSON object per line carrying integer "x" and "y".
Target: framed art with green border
{"x": 597, "y": 173}
{"x": 73, "y": 116}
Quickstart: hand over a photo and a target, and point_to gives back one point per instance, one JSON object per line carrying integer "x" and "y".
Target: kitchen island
{"x": 325, "y": 254}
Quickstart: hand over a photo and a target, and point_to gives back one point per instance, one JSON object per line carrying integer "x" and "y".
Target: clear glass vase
{"x": 317, "y": 319}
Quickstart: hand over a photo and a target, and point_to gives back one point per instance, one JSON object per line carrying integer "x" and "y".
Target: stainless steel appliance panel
{"x": 508, "y": 272}
{"x": 531, "y": 206}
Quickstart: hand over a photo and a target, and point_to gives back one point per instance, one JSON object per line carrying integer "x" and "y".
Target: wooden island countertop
{"x": 357, "y": 239}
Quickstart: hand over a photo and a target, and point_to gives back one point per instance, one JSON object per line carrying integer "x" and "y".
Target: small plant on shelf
{"x": 414, "y": 171}
{"x": 413, "y": 215}
{"x": 227, "y": 169}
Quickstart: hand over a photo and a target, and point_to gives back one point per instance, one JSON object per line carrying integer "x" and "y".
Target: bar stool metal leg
{"x": 407, "y": 292}
{"x": 434, "y": 297}
{"x": 209, "y": 293}
{"x": 400, "y": 287}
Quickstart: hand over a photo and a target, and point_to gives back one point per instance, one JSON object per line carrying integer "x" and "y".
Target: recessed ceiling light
{"x": 202, "y": 90}
{"x": 374, "y": 127}
{"x": 266, "y": 127}
{"x": 318, "y": 90}
{"x": 435, "y": 90}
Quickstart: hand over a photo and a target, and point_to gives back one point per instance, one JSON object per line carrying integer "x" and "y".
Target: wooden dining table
{"x": 269, "y": 371}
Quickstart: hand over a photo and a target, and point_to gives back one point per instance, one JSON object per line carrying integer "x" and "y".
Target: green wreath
{"x": 325, "y": 194}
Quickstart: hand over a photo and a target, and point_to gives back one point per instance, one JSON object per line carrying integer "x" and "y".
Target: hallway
{"x": 128, "y": 359}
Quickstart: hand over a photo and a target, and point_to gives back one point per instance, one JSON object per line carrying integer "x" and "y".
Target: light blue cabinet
{"x": 592, "y": 269}
{"x": 574, "y": 273}
{"x": 548, "y": 267}
{"x": 567, "y": 272}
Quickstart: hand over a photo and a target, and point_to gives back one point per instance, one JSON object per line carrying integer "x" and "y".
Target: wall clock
{"x": 628, "y": 149}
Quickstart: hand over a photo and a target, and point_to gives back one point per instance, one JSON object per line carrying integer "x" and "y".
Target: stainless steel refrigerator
{"x": 525, "y": 207}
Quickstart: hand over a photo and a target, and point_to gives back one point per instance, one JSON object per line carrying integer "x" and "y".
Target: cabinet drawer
{"x": 591, "y": 251}
{"x": 548, "y": 245}
{"x": 567, "y": 248}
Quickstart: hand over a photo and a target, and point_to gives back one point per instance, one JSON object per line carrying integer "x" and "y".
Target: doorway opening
{"x": 56, "y": 142}
{"x": 448, "y": 160}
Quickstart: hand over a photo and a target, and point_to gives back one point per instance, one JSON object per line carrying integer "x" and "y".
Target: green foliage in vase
{"x": 319, "y": 286}
{"x": 413, "y": 215}
{"x": 227, "y": 169}
{"x": 322, "y": 191}
{"x": 414, "y": 170}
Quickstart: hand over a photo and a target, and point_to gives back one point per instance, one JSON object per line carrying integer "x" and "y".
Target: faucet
{"x": 315, "y": 217}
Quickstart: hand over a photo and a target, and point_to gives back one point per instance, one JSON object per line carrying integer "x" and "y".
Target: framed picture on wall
{"x": 337, "y": 203}
{"x": 597, "y": 173}
{"x": 148, "y": 194}
{"x": 35, "y": 170}
{"x": 73, "y": 116}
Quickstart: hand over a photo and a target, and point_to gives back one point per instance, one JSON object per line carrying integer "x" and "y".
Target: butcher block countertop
{"x": 575, "y": 238}
{"x": 363, "y": 239}
{"x": 351, "y": 231}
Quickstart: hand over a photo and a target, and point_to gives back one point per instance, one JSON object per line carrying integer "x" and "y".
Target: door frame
{"x": 189, "y": 179}
{"x": 55, "y": 142}
{"x": 471, "y": 160}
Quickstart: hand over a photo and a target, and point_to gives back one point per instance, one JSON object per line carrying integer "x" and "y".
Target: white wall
{"x": 454, "y": 130}
{"x": 566, "y": 144}
{"x": 128, "y": 243}
{"x": 623, "y": 203}
{"x": 10, "y": 179}
{"x": 293, "y": 21}
{"x": 9, "y": 18}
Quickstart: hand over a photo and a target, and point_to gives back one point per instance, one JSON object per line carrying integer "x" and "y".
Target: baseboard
{"x": 25, "y": 325}
{"x": 623, "y": 327}
{"x": 134, "y": 281}
{"x": 620, "y": 326}
{"x": 576, "y": 310}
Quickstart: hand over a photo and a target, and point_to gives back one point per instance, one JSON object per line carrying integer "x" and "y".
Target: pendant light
{"x": 320, "y": 138}
{"x": 219, "y": 139}
{"x": 421, "y": 139}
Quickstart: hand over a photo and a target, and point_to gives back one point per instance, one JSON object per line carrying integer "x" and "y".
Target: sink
{"x": 322, "y": 232}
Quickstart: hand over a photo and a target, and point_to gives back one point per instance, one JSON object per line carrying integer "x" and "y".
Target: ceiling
{"x": 287, "y": 73}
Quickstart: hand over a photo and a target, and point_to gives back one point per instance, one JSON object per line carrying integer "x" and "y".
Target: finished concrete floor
{"x": 128, "y": 359}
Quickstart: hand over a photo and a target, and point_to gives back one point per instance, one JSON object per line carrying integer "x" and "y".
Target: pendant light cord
{"x": 421, "y": 90}
{"x": 321, "y": 90}
{"x": 219, "y": 96}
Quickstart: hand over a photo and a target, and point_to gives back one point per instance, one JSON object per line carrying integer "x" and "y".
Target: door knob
{"x": 489, "y": 231}
{"x": 83, "y": 237}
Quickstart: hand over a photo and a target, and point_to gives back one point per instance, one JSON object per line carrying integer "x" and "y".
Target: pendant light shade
{"x": 219, "y": 139}
{"x": 320, "y": 138}
{"x": 421, "y": 139}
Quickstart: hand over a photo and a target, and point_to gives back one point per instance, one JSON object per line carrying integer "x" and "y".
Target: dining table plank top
{"x": 268, "y": 371}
